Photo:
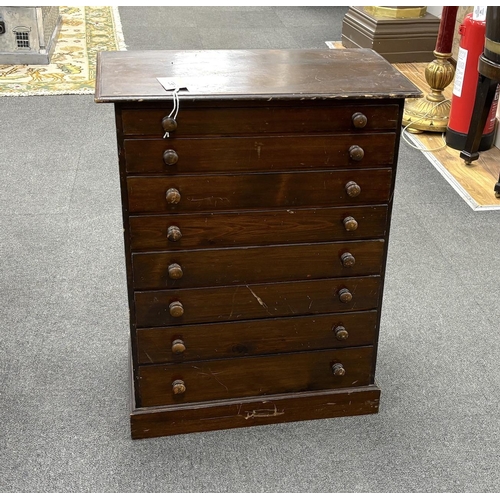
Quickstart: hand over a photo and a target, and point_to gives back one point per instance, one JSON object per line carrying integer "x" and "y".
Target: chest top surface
{"x": 250, "y": 74}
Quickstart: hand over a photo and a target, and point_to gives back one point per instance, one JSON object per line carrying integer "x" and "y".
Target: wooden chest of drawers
{"x": 256, "y": 227}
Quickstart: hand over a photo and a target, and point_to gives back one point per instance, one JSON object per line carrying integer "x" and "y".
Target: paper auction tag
{"x": 172, "y": 83}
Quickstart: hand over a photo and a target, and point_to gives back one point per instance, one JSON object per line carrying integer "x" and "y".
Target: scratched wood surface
{"x": 318, "y": 118}
{"x": 240, "y": 154}
{"x": 246, "y": 412}
{"x": 250, "y": 338}
{"x": 255, "y": 182}
{"x": 477, "y": 179}
{"x": 242, "y": 74}
{"x": 231, "y": 229}
{"x": 247, "y": 265}
{"x": 265, "y": 190}
{"x": 253, "y": 376}
{"x": 206, "y": 305}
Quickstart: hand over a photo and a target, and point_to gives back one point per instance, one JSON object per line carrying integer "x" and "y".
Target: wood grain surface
{"x": 266, "y": 190}
{"x": 250, "y": 300}
{"x": 253, "y": 376}
{"x": 260, "y": 74}
{"x": 207, "y": 305}
{"x": 262, "y": 227}
{"x": 330, "y": 117}
{"x": 246, "y": 412}
{"x": 249, "y": 338}
{"x": 477, "y": 180}
{"x": 250, "y": 154}
{"x": 205, "y": 268}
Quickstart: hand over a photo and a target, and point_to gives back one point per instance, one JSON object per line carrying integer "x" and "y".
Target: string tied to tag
{"x": 172, "y": 85}
{"x": 175, "y": 109}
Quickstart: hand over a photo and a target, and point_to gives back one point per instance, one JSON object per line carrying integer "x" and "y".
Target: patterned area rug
{"x": 84, "y": 32}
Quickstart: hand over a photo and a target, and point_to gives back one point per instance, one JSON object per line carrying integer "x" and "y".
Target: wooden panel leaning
{"x": 256, "y": 223}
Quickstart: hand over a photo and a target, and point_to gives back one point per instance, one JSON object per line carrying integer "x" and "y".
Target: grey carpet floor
{"x": 63, "y": 348}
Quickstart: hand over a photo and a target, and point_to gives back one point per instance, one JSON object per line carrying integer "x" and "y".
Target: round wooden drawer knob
{"x": 359, "y": 120}
{"x": 169, "y": 124}
{"x": 356, "y": 153}
{"x": 175, "y": 271}
{"x": 178, "y": 387}
{"x": 338, "y": 370}
{"x": 341, "y": 333}
{"x": 352, "y": 189}
{"x": 178, "y": 346}
{"x": 174, "y": 233}
{"x": 176, "y": 309}
{"x": 345, "y": 295}
{"x": 173, "y": 196}
{"x": 170, "y": 157}
{"x": 347, "y": 259}
{"x": 350, "y": 224}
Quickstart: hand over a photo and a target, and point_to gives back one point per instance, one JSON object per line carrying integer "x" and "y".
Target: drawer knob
{"x": 174, "y": 233}
{"x": 356, "y": 153}
{"x": 175, "y": 271}
{"x": 178, "y": 387}
{"x": 338, "y": 370}
{"x": 347, "y": 259}
{"x": 170, "y": 157}
{"x": 359, "y": 120}
{"x": 173, "y": 196}
{"x": 350, "y": 224}
{"x": 169, "y": 124}
{"x": 352, "y": 189}
{"x": 345, "y": 295}
{"x": 341, "y": 333}
{"x": 176, "y": 309}
{"x": 178, "y": 346}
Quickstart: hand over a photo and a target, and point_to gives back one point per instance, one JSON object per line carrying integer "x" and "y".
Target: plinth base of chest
{"x": 246, "y": 412}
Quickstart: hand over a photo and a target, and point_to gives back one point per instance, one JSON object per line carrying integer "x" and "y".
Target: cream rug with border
{"x": 85, "y": 31}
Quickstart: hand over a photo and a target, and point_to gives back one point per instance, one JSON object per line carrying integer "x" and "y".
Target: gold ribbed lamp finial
{"x": 432, "y": 112}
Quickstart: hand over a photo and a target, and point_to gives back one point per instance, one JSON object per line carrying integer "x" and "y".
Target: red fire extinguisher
{"x": 472, "y": 31}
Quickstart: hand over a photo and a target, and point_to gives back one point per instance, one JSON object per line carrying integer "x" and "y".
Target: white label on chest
{"x": 172, "y": 84}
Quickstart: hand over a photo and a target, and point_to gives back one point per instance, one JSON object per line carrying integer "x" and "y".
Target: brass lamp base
{"x": 431, "y": 113}
{"x": 423, "y": 115}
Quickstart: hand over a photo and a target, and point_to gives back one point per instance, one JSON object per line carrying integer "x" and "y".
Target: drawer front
{"x": 260, "y": 120}
{"x": 230, "y": 192}
{"x": 230, "y": 303}
{"x": 253, "y": 376}
{"x": 203, "y": 268}
{"x": 212, "y": 230}
{"x": 250, "y": 154}
{"x": 250, "y": 338}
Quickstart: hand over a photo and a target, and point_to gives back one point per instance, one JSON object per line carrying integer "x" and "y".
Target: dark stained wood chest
{"x": 256, "y": 228}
